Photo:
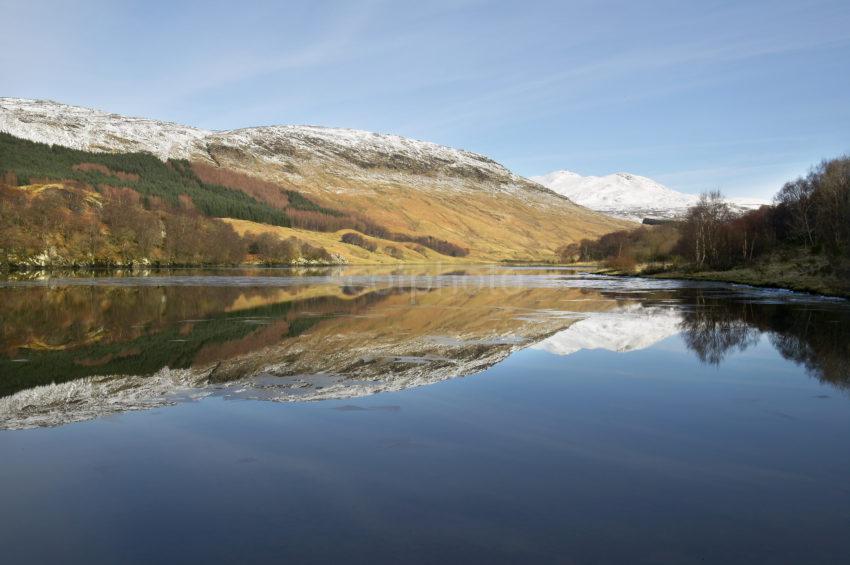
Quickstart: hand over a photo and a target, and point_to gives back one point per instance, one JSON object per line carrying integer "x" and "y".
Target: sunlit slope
{"x": 409, "y": 187}
{"x": 424, "y": 190}
{"x": 387, "y": 251}
{"x": 493, "y": 227}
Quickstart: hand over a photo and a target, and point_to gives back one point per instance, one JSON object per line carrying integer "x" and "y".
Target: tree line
{"x": 65, "y": 225}
{"x": 810, "y": 213}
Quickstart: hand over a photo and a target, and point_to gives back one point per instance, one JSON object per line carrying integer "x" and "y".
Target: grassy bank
{"x": 795, "y": 270}
{"x": 815, "y": 284}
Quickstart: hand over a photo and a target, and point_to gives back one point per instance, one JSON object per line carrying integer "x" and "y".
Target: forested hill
{"x": 152, "y": 178}
{"x": 68, "y": 207}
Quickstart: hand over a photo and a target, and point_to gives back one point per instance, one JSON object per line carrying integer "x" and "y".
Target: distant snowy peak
{"x": 618, "y": 191}
{"x": 628, "y": 196}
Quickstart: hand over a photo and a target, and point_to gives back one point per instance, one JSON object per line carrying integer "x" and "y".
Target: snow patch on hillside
{"x": 356, "y": 153}
{"x": 45, "y": 121}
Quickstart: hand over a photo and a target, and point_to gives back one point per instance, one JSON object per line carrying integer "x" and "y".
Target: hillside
{"x": 396, "y": 189}
{"x": 628, "y": 196}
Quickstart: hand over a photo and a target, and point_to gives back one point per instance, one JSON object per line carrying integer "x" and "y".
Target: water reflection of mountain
{"x": 67, "y": 333}
{"x": 625, "y": 329}
{"x": 75, "y": 352}
{"x": 815, "y": 335}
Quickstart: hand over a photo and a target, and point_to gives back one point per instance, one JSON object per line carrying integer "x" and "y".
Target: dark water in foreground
{"x": 484, "y": 415}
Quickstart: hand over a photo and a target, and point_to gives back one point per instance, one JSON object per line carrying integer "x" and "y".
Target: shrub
{"x": 273, "y": 249}
{"x": 314, "y": 253}
{"x": 352, "y": 238}
{"x": 624, "y": 263}
{"x": 394, "y": 252}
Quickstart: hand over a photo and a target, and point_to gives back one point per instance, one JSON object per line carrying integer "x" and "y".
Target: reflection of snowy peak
{"x": 629, "y": 329}
{"x": 628, "y": 196}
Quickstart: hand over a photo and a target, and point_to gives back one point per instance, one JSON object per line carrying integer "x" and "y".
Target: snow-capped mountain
{"x": 93, "y": 130}
{"x": 628, "y": 196}
{"x": 407, "y": 186}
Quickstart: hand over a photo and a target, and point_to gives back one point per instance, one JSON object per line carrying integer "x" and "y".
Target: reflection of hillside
{"x": 346, "y": 343}
{"x": 446, "y": 331}
{"x": 817, "y": 338}
{"x": 172, "y": 325}
{"x": 64, "y": 318}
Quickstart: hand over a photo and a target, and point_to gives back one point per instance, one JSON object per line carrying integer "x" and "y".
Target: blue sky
{"x": 738, "y": 96}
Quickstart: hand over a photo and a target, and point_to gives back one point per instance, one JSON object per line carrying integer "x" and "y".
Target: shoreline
{"x": 818, "y": 288}
{"x": 7, "y": 269}
{"x": 815, "y": 286}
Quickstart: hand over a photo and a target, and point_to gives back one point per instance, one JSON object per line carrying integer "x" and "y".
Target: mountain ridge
{"x": 46, "y": 121}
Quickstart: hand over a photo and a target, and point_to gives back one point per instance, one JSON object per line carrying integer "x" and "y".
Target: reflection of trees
{"x": 80, "y": 331}
{"x": 712, "y": 332}
{"x": 818, "y": 339}
{"x": 820, "y": 343}
{"x": 74, "y": 316}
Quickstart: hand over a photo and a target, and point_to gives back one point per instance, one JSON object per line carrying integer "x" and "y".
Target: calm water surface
{"x": 476, "y": 415}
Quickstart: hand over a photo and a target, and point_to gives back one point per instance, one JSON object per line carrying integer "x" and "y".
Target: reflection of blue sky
{"x": 597, "y": 452}
{"x": 699, "y": 95}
